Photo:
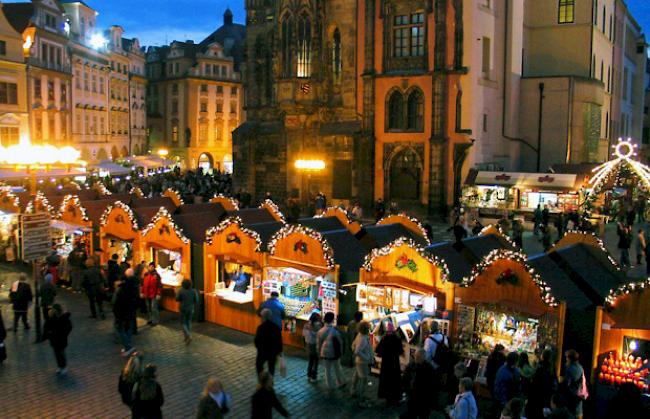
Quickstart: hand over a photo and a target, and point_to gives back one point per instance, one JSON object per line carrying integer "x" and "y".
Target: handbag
{"x": 283, "y": 367}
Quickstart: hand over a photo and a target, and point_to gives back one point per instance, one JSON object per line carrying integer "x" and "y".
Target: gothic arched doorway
{"x": 205, "y": 162}
{"x": 405, "y": 173}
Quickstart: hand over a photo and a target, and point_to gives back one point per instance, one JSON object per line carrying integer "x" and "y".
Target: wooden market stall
{"x": 119, "y": 233}
{"x": 72, "y": 225}
{"x": 412, "y": 224}
{"x": 504, "y": 301}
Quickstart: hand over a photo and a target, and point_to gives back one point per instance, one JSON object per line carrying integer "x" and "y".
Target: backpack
{"x": 442, "y": 355}
{"x": 336, "y": 344}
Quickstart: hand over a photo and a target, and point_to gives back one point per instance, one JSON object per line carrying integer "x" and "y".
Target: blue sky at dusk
{"x": 157, "y": 22}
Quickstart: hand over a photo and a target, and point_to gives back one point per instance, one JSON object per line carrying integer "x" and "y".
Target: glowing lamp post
{"x": 32, "y": 158}
{"x": 309, "y": 167}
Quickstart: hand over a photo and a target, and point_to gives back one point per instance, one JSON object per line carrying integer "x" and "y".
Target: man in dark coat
{"x": 113, "y": 272}
{"x": 389, "y": 350}
{"x": 56, "y": 330}
{"x": 93, "y": 283}
{"x": 124, "y": 309}
{"x": 21, "y": 297}
{"x": 417, "y": 382}
{"x": 268, "y": 341}
{"x": 48, "y": 293}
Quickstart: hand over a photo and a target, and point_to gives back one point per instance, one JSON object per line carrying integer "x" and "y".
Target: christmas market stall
{"x": 306, "y": 268}
{"x": 505, "y": 301}
{"x": 624, "y": 341}
{"x": 234, "y": 259}
{"x": 404, "y": 284}
{"x": 119, "y": 233}
{"x": 72, "y": 226}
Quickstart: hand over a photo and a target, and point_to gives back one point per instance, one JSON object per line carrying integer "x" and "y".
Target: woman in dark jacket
{"x": 389, "y": 350}
{"x": 264, "y": 400}
{"x": 147, "y": 396}
{"x": 56, "y": 329}
{"x": 496, "y": 359}
{"x": 542, "y": 386}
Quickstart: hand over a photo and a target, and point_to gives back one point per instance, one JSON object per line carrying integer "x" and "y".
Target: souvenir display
{"x": 300, "y": 292}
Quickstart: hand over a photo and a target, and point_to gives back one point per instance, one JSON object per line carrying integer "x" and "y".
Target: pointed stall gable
{"x": 73, "y": 211}
{"x": 163, "y": 230}
{"x": 119, "y": 220}
{"x": 232, "y": 240}
{"x": 302, "y": 245}
{"x": 410, "y": 223}
{"x": 228, "y": 203}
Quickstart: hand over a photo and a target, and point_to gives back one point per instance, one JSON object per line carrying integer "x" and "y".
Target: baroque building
{"x": 367, "y": 88}
{"x": 195, "y": 97}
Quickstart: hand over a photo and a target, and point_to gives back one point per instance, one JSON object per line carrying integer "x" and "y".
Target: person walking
{"x": 77, "y": 262}
{"x": 188, "y": 298}
{"x": 573, "y": 384}
{"x": 57, "y": 328}
{"x": 214, "y": 402}
{"x": 537, "y": 219}
{"x": 546, "y": 216}
{"x": 390, "y": 349}
{"x": 130, "y": 375}
{"x": 464, "y": 406}
{"x": 264, "y": 399}
{"x": 309, "y": 332}
{"x": 526, "y": 371}
{"x": 624, "y": 240}
{"x": 21, "y": 298}
{"x": 507, "y": 384}
{"x": 546, "y": 237}
{"x": 542, "y": 386}
{"x": 275, "y": 306}
{"x": 640, "y": 245}
{"x": 124, "y": 310}
{"x": 329, "y": 343}
{"x": 417, "y": 381}
{"x": 151, "y": 292}
{"x": 436, "y": 340}
{"x": 363, "y": 358}
{"x": 47, "y": 293}
{"x": 268, "y": 342}
{"x": 518, "y": 233}
{"x": 95, "y": 287}
{"x": 148, "y": 397}
{"x": 347, "y": 358}
{"x": 114, "y": 272}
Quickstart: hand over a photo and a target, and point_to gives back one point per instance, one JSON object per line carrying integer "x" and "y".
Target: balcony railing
{"x": 63, "y": 68}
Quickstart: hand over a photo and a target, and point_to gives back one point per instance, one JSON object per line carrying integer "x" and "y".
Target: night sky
{"x": 157, "y": 22}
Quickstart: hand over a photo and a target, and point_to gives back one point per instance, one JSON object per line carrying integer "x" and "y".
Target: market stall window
{"x": 168, "y": 265}
{"x": 234, "y": 282}
{"x": 122, "y": 248}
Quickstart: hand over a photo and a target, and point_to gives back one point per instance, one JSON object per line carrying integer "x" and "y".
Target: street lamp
{"x": 308, "y": 166}
{"x": 32, "y": 158}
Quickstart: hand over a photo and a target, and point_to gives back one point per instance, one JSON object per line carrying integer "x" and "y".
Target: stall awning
{"x": 68, "y": 227}
{"x": 8, "y": 174}
{"x": 110, "y": 167}
{"x": 521, "y": 180}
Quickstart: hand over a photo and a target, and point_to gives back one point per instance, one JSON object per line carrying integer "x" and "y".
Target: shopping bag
{"x": 283, "y": 367}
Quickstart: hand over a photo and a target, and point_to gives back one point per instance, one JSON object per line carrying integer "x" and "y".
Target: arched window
{"x": 415, "y": 111}
{"x": 304, "y": 46}
{"x": 287, "y": 40}
{"x": 396, "y": 111}
{"x": 337, "y": 65}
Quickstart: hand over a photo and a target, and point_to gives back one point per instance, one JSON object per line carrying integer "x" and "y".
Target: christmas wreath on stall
{"x": 233, "y": 238}
{"x": 404, "y": 262}
{"x": 300, "y": 246}
{"x": 507, "y": 277}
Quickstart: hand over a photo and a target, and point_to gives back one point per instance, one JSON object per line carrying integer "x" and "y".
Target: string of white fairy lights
{"x": 624, "y": 150}
{"x": 272, "y": 207}
{"x": 163, "y": 213}
{"x": 230, "y": 221}
{"x": 76, "y": 202}
{"x": 290, "y": 229}
{"x": 625, "y": 289}
{"x": 232, "y": 200}
{"x": 422, "y": 231}
{"x": 124, "y": 207}
{"x": 599, "y": 241}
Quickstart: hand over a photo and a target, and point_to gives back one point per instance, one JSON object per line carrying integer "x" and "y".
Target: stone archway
{"x": 124, "y": 152}
{"x": 136, "y": 150}
{"x": 102, "y": 154}
{"x": 206, "y": 162}
{"x": 114, "y": 153}
{"x": 405, "y": 175}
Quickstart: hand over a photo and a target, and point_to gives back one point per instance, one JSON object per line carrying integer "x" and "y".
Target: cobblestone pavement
{"x": 31, "y": 389}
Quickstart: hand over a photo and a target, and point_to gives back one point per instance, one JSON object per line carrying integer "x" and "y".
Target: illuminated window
{"x": 304, "y": 47}
{"x": 337, "y": 64}
{"x": 9, "y": 136}
{"x": 175, "y": 133}
{"x": 566, "y": 11}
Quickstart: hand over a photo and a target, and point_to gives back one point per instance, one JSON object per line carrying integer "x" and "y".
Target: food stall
{"x": 233, "y": 272}
{"x": 623, "y": 341}
{"x": 490, "y": 193}
{"x": 404, "y": 283}
{"x": 164, "y": 243}
{"x": 119, "y": 233}
{"x": 343, "y": 217}
{"x": 301, "y": 268}
{"x": 272, "y": 208}
{"x": 504, "y": 301}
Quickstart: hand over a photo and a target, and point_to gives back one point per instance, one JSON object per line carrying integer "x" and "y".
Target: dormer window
{"x": 50, "y": 21}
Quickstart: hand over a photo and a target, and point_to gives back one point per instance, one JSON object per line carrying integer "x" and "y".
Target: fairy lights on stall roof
{"x": 44, "y": 202}
{"x": 174, "y": 195}
{"x": 163, "y": 213}
{"x": 328, "y": 213}
{"x": 8, "y": 194}
{"x": 232, "y": 200}
{"x": 515, "y": 256}
{"x": 290, "y": 229}
{"x": 506, "y": 237}
{"x": 414, "y": 220}
{"x": 404, "y": 241}
{"x": 124, "y": 207}
{"x": 101, "y": 188}
{"x": 626, "y": 289}
{"x": 76, "y": 202}
{"x": 599, "y": 241}
{"x": 272, "y": 207}
{"x": 230, "y": 221}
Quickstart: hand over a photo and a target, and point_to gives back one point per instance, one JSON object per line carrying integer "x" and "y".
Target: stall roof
{"x": 124, "y": 197}
{"x": 158, "y": 201}
{"x": 83, "y": 194}
{"x": 459, "y": 265}
{"x": 215, "y": 210}
{"x": 559, "y": 181}
{"x": 562, "y": 287}
{"x": 266, "y": 231}
{"x": 382, "y": 235}
{"x": 322, "y": 224}
{"x": 349, "y": 254}
{"x": 253, "y": 216}
{"x": 95, "y": 209}
{"x": 109, "y": 166}
{"x": 195, "y": 227}
{"x": 590, "y": 269}
{"x": 144, "y": 215}
{"x": 481, "y": 246}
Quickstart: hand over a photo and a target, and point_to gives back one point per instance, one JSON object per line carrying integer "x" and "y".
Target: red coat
{"x": 151, "y": 285}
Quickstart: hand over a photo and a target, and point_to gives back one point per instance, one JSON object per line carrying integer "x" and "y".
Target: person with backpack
{"x": 151, "y": 292}
{"x": 436, "y": 346}
{"x": 57, "y": 328}
{"x": 330, "y": 343}
{"x": 574, "y": 383}
{"x": 188, "y": 298}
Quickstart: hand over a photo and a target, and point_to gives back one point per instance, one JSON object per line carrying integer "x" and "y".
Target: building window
{"x": 50, "y": 90}
{"x": 64, "y": 95}
{"x": 233, "y": 91}
{"x": 415, "y": 111}
{"x": 287, "y": 41}
{"x": 417, "y": 34}
{"x": 604, "y": 17}
{"x": 174, "y": 106}
{"x": 94, "y": 83}
{"x": 51, "y": 125}
{"x": 485, "y": 122}
{"x": 408, "y": 35}
{"x": 233, "y": 107}
{"x": 9, "y": 136}
{"x": 38, "y": 127}
{"x": 203, "y": 132}
{"x": 86, "y": 83}
{"x": 77, "y": 79}
{"x": 395, "y": 111}
{"x": 602, "y": 71}
{"x": 609, "y": 79}
{"x": 207, "y": 69}
{"x": 217, "y": 131}
{"x": 625, "y": 83}
{"x": 9, "y": 93}
{"x": 400, "y": 36}
{"x": 486, "y": 65}
{"x": 176, "y": 70}
{"x": 219, "y": 90}
{"x": 219, "y": 108}
{"x": 204, "y": 106}
{"x": 304, "y": 47}
{"x": 175, "y": 133}
{"x": 224, "y": 71}
{"x": 566, "y": 11}
{"x": 101, "y": 85}
{"x": 37, "y": 89}
{"x": 337, "y": 65}
{"x": 3, "y": 48}
{"x": 204, "y": 88}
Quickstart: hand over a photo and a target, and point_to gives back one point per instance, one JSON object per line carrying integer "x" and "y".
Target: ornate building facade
{"x": 367, "y": 87}
{"x": 195, "y": 97}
